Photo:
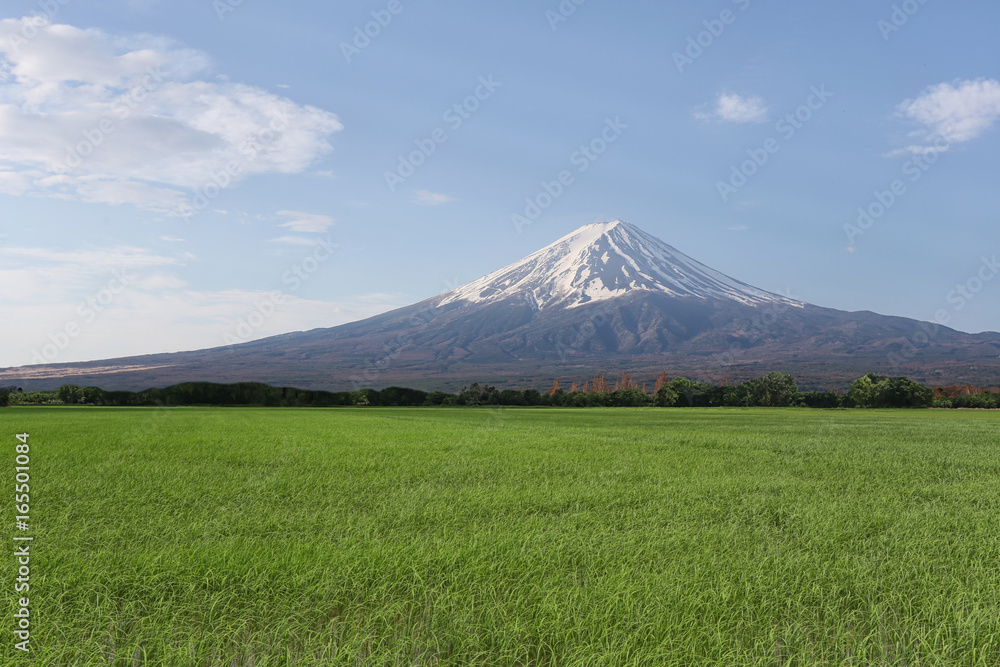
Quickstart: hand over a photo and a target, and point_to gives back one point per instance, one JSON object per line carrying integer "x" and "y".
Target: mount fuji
{"x": 606, "y": 297}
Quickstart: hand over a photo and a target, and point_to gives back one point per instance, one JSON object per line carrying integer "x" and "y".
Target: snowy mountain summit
{"x": 605, "y": 260}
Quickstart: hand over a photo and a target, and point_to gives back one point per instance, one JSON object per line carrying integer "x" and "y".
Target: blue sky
{"x": 182, "y": 175}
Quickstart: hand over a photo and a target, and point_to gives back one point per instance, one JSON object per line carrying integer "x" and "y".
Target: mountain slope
{"x": 605, "y": 297}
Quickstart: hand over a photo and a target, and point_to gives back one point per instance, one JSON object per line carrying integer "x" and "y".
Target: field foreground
{"x": 508, "y": 537}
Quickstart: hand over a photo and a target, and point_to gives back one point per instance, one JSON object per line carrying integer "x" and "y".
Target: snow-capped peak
{"x": 605, "y": 260}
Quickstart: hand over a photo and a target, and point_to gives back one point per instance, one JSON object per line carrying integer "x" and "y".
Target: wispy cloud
{"x": 42, "y": 275}
{"x": 428, "y": 198}
{"x": 114, "y": 257}
{"x": 733, "y": 108}
{"x": 954, "y": 112}
{"x": 306, "y": 222}
{"x": 295, "y": 240}
{"x": 158, "y": 311}
{"x": 161, "y": 314}
{"x": 93, "y": 117}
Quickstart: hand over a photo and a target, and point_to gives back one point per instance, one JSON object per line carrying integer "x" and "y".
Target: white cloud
{"x": 916, "y": 149}
{"x": 294, "y": 240}
{"x": 91, "y": 259}
{"x": 43, "y": 276}
{"x": 735, "y": 108}
{"x": 306, "y": 222}
{"x": 162, "y": 316}
{"x": 171, "y": 239}
{"x": 427, "y": 198}
{"x": 157, "y": 311}
{"x": 158, "y": 282}
{"x": 93, "y": 117}
{"x": 953, "y": 112}
{"x": 14, "y": 183}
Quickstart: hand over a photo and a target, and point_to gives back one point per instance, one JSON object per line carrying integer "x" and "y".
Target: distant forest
{"x": 772, "y": 390}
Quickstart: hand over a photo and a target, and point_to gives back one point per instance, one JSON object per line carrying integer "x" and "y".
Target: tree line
{"x": 772, "y": 390}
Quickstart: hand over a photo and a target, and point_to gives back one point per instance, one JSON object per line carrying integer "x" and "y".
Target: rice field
{"x": 613, "y": 537}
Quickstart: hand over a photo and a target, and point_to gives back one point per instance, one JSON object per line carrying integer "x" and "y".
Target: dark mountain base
{"x": 509, "y": 344}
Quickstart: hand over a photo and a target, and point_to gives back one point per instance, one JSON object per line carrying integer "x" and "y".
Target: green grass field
{"x": 508, "y": 537}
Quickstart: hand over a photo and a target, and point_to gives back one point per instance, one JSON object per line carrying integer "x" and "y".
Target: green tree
{"x": 685, "y": 390}
{"x": 820, "y": 399}
{"x": 978, "y": 401}
{"x": 532, "y": 397}
{"x": 774, "y": 390}
{"x": 401, "y": 396}
{"x": 438, "y": 398}
{"x": 738, "y": 396}
{"x": 878, "y": 391}
{"x": 631, "y": 397}
{"x": 901, "y": 392}
{"x": 70, "y": 394}
{"x": 665, "y": 397}
{"x": 477, "y": 394}
{"x": 512, "y": 397}
{"x": 863, "y": 390}
{"x": 365, "y": 397}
